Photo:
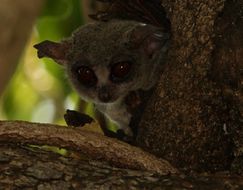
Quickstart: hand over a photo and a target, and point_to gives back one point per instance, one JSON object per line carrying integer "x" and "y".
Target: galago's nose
{"x": 104, "y": 94}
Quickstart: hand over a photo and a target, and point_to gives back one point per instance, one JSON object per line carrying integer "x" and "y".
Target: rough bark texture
{"x": 92, "y": 144}
{"x": 26, "y": 167}
{"x": 17, "y": 18}
{"x": 191, "y": 120}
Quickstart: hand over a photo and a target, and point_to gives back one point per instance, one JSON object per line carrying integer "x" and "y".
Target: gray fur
{"x": 100, "y": 44}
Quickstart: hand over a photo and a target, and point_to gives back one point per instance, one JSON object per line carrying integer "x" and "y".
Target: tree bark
{"x": 24, "y": 166}
{"x": 194, "y": 118}
{"x": 92, "y": 144}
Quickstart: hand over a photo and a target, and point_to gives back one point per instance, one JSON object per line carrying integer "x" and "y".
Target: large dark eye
{"x": 120, "y": 71}
{"x": 86, "y": 76}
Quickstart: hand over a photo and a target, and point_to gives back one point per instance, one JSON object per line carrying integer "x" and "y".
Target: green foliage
{"x": 39, "y": 90}
{"x": 16, "y": 93}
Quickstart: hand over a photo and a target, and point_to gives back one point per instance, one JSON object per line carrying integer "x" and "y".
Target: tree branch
{"x": 92, "y": 144}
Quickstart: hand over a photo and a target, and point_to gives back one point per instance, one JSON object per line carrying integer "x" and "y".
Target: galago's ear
{"x": 150, "y": 38}
{"x": 53, "y": 50}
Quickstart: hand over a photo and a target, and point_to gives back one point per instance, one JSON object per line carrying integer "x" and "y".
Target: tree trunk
{"x": 194, "y": 118}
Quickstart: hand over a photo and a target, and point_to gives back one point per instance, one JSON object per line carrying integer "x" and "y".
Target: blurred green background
{"x": 39, "y": 91}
